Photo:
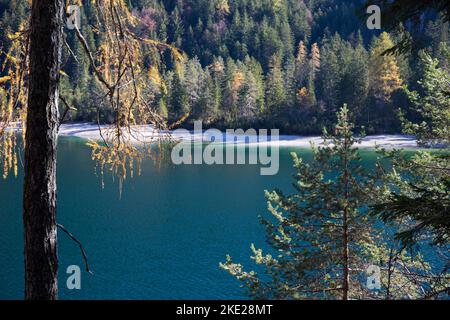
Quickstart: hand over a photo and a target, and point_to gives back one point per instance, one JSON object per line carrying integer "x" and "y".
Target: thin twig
{"x": 68, "y": 107}
{"x": 92, "y": 61}
{"x": 71, "y": 236}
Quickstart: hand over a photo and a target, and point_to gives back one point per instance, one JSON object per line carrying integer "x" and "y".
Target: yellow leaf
{"x": 4, "y": 79}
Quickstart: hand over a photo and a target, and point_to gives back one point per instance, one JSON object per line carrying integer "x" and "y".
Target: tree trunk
{"x": 39, "y": 201}
{"x": 346, "y": 277}
{"x": 345, "y": 240}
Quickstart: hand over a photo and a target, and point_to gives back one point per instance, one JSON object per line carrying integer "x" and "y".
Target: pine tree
{"x": 176, "y": 29}
{"x": 193, "y": 84}
{"x": 257, "y": 73}
{"x": 248, "y": 98}
{"x": 421, "y": 199}
{"x": 290, "y": 82}
{"x": 275, "y": 91}
{"x": 179, "y": 100}
{"x": 354, "y": 86}
{"x": 218, "y": 79}
{"x": 433, "y": 105}
{"x": 323, "y": 238}
{"x": 330, "y": 75}
{"x": 209, "y": 103}
{"x": 233, "y": 80}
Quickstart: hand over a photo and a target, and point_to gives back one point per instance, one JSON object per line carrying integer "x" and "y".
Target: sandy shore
{"x": 146, "y": 133}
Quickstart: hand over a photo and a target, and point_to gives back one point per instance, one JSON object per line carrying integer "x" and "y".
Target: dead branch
{"x": 66, "y": 110}
{"x": 83, "y": 253}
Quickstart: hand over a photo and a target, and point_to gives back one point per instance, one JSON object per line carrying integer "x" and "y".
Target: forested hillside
{"x": 288, "y": 64}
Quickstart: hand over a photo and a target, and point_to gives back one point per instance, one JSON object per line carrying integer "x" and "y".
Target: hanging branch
{"x": 91, "y": 59}
{"x": 117, "y": 65}
{"x": 83, "y": 253}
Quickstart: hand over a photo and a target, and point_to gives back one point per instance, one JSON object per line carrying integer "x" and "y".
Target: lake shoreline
{"x": 90, "y": 131}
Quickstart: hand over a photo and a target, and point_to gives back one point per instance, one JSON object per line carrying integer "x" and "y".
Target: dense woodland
{"x": 296, "y": 65}
{"x": 261, "y": 63}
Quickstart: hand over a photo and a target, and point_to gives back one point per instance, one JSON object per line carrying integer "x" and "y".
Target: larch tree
{"x": 30, "y": 101}
{"x": 314, "y": 68}
{"x": 223, "y": 7}
{"x": 300, "y": 65}
{"x": 384, "y": 82}
{"x": 301, "y": 52}
{"x": 383, "y": 69}
{"x": 315, "y": 57}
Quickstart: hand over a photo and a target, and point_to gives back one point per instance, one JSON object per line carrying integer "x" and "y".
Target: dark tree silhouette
{"x": 39, "y": 200}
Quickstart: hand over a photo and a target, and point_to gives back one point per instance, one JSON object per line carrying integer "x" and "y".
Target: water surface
{"x": 163, "y": 239}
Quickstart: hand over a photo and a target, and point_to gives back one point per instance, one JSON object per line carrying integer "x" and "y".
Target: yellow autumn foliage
{"x": 383, "y": 69}
{"x": 13, "y": 98}
{"x": 117, "y": 64}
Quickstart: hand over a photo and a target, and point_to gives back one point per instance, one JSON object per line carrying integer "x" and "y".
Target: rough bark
{"x": 39, "y": 201}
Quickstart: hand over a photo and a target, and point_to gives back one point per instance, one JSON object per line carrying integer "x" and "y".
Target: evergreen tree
{"x": 193, "y": 85}
{"x": 179, "y": 100}
{"x": 354, "y": 87}
{"x": 176, "y": 30}
{"x": 421, "y": 198}
{"x": 209, "y": 104}
{"x": 290, "y": 82}
{"x": 322, "y": 236}
{"x": 232, "y": 84}
{"x": 330, "y": 75}
{"x": 432, "y": 104}
{"x": 248, "y": 98}
{"x": 275, "y": 91}
{"x": 329, "y": 66}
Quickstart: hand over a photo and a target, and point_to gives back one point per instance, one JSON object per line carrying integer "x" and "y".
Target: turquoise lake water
{"x": 163, "y": 239}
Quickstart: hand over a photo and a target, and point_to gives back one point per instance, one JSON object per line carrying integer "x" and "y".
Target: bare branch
{"x": 71, "y": 236}
{"x": 91, "y": 59}
{"x": 66, "y": 110}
